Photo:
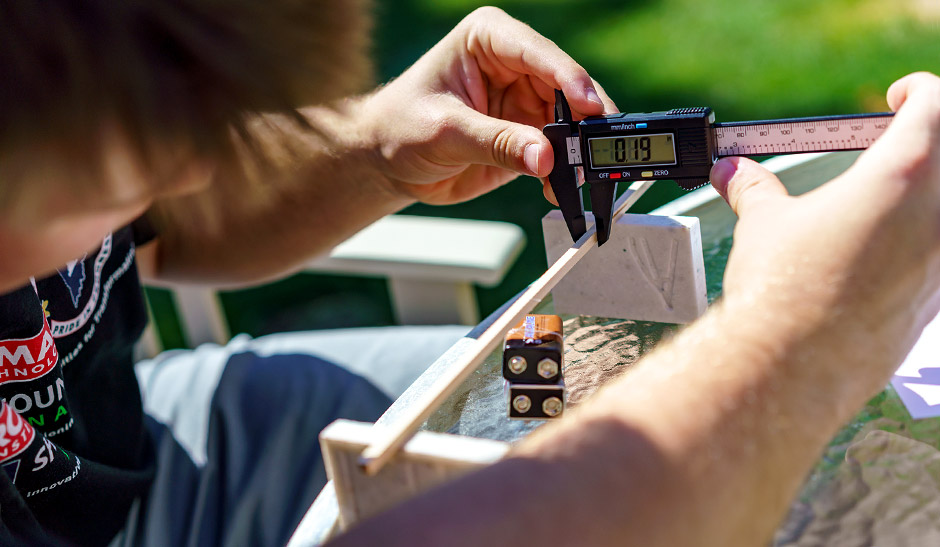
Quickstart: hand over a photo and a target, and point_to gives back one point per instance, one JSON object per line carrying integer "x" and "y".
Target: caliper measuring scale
{"x": 681, "y": 144}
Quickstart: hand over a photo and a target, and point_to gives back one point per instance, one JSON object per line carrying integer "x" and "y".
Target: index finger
{"x": 520, "y": 49}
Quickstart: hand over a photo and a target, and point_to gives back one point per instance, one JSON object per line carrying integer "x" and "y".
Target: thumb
{"x": 492, "y": 141}
{"x": 743, "y": 182}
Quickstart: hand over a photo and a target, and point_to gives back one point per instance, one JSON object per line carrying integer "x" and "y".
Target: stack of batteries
{"x": 532, "y": 367}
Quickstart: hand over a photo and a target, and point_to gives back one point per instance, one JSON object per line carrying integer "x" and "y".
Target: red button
{"x": 615, "y": 175}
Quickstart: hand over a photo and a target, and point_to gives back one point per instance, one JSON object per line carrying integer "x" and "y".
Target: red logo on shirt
{"x": 28, "y": 358}
{"x": 15, "y": 433}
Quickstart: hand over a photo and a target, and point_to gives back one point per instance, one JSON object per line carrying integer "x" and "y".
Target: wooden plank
{"x": 427, "y": 460}
{"x": 388, "y": 439}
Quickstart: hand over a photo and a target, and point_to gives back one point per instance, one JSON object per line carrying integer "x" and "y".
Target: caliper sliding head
{"x": 563, "y": 135}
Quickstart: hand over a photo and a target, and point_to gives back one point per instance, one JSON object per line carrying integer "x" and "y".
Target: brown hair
{"x": 184, "y": 71}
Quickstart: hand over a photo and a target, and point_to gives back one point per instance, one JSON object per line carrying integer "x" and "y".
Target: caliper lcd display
{"x": 631, "y": 150}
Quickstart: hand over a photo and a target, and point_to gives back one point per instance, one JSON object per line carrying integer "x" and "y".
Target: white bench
{"x": 431, "y": 265}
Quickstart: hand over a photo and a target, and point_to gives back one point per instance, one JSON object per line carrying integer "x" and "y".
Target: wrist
{"x": 376, "y": 144}
{"x": 351, "y": 131}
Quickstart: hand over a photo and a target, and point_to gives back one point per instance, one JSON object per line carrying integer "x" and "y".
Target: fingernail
{"x": 722, "y": 173}
{"x": 531, "y": 157}
{"x": 593, "y": 96}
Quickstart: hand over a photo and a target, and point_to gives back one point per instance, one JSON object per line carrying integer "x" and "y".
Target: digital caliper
{"x": 681, "y": 144}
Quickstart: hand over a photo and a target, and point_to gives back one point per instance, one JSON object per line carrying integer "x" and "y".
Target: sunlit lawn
{"x": 745, "y": 59}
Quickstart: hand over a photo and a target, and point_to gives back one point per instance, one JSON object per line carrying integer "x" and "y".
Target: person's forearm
{"x": 320, "y": 187}
{"x": 714, "y": 433}
{"x": 704, "y": 443}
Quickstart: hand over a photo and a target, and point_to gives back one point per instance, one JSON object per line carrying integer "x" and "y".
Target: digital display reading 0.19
{"x": 633, "y": 150}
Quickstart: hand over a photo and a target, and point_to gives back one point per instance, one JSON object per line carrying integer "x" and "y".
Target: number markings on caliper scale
{"x": 799, "y": 135}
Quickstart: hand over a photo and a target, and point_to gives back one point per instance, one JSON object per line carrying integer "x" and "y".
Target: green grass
{"x": 745, "y": 59}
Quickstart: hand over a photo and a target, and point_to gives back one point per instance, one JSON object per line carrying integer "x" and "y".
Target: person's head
{"x": 106, "y": 106}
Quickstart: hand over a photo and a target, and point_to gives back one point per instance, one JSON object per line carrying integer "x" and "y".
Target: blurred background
{"x": 746, "y": 59}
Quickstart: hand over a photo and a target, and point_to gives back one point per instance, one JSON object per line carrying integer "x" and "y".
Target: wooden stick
{"x": 389, "y": 439}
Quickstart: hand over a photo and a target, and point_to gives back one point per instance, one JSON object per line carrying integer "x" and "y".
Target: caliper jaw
{"x": 602, "y": 205}
{"x": 563, "y": 135}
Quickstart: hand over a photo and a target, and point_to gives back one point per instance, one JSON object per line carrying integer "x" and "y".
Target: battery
{"x": 536, "y": 401}
{"x": 533, "y": 350}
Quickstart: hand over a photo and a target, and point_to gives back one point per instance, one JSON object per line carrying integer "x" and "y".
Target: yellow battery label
{"x": 537, "y": 328}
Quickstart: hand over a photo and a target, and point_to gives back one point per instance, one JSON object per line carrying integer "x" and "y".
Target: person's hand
{"x": 467, "y": 117}
{"x": 857, "y": 260}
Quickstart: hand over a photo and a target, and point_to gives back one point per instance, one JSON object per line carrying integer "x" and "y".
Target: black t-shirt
{"x": 72, "y": 443}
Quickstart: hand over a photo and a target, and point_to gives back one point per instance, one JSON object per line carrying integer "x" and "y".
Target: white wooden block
{"x": 651, "y": 269}
{"x": 427, "y": 460}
